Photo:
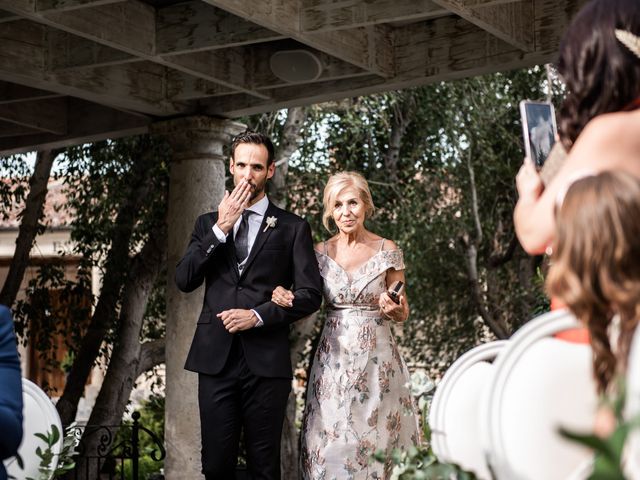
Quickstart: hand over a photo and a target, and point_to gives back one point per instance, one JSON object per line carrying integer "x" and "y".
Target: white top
{"x": 259, "y": 209}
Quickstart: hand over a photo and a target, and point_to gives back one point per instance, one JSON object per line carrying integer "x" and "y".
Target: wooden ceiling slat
{"x": 48, "y": 115}
{"x": 129, "y": 27}
{"x": 227, "y": 67}
{"x": 325, "y": 15}
{"x": 365, "y": 48}
{"x": 12, "y": 130}
{"x": 509, "y": 22}
{"x": 165, "y": 58}
{"x": 66, "y": 51}
{"x": 11, "y": 93}
{"x": 135, "y": 87}
{"x": 195, "y": 26}
{"x": 445, "y": 49}
{"x": 88, "y": 122}
{"x": 67, "y": 5}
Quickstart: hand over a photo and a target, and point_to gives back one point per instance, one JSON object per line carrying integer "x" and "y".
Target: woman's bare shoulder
{"x": 390, "y": 245}
{"x": 609, "y": 140}
{"x": 609, "y": 129}
{"x": 321, "y": 247}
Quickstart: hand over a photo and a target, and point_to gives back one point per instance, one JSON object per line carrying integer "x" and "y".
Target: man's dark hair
{"x": 600, "y": 73}
{"x": 254, "y": 137}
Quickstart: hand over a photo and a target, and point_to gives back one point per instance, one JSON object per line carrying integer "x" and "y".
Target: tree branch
{"x": 151, "y": 354}
{"x": 291, "y": 137}
{"x": 29, "y": 225}
{"x": 401, "y": 120}
{"x": 498, "y": 260}
{"x": 474, "y": 199}
{"x": 116, "y": 273}
{"x": 129, "y": 357}
{"x": 474, "y": 285}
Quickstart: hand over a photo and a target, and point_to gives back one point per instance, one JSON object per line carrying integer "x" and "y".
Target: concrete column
{"x": 196, "y": 186}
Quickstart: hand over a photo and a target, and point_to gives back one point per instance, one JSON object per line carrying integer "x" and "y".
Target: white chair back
{"x": 632, "y": 409}
{"x": 454, "y": 412}
{"x": 540, "y": 384}
{"x": 39, "y": 415}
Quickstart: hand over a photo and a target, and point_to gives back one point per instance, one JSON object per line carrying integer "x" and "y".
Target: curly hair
{"x": 601, "y": 74}
{"x": 595, "y": 268}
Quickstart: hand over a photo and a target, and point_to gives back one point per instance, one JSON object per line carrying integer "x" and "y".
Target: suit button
{"x": 240, "y": 288}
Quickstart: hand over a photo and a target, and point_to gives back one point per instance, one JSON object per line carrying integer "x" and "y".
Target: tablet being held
{"x": 539, "y": 130}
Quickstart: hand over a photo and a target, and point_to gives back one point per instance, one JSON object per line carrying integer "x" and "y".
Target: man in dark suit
{"x": 241, "y": 345}
{"x": 10, "y": 391}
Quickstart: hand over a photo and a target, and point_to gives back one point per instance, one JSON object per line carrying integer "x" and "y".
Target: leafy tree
{"x": 441, "y": 162}
{"x": 117, "y": 191}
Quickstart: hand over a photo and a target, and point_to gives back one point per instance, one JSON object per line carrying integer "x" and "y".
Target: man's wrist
{"x": 224, "y": 227}
{"x": 220, "y": 235}
{"x": 257, "y": 318}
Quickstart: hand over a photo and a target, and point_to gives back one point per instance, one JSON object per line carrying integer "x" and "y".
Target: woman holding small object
{"x": 600, "y": 117}
{"x": 358, "y": 398}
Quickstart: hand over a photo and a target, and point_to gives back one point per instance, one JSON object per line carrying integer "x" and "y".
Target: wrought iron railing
{"x": 105, "y": 451}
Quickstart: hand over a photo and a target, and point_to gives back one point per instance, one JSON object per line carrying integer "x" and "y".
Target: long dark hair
{"x": 600, "y": 73}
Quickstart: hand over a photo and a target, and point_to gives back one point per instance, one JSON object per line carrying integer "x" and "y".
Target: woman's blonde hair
{"x": 596, "y": 264}
{"x": 336, "y": 184}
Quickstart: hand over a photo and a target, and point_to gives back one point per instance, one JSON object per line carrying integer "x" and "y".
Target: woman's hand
{"x": 282, "y": 297}
{"x": 533, "y": 215}
{"x": 528, "y": 182}
{"x": 605, "y": 422}
{"x": 398, "y": 312}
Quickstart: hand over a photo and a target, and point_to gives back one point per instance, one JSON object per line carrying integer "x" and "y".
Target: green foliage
{"x": 419, "y": 462}
{"x": 14, "y": 188}
{"x": 103, "y": 182}
{"x": 425, "y": 202}
{"x": 65, "y": 461}
{"x": 608, "y": 460}
{"x": 152, "y": 418}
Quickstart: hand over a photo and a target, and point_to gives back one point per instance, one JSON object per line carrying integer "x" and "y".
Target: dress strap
{"x": 381, "y": 245}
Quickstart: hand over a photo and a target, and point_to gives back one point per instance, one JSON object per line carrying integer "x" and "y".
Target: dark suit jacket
{"x": 282, "y": 255}
{"x": 10, "y": 391}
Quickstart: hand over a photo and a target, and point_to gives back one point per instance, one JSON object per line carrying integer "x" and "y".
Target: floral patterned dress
{"x": 358, "y": 399}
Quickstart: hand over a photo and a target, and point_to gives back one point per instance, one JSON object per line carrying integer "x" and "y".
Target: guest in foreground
{"x": 10, "y": 391}
{"x": 599, "y": 120}
{"x": 595, "y": 270}
{"x": 241, "y": 346}
{"x": 358, "y": 397}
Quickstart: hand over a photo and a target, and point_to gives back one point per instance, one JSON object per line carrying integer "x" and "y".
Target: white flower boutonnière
{"x": 271, "y": 223}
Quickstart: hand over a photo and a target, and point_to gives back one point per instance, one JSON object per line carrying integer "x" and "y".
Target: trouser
{"x": 237, "y": 399}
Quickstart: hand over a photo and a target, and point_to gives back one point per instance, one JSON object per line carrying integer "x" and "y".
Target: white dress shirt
{"x": 255, "y": 220}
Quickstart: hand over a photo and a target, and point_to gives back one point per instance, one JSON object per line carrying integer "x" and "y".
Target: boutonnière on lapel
{"x": 271, "y": 223}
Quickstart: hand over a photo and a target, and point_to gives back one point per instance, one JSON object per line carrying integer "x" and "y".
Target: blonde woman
{"x": 358, "y": 399}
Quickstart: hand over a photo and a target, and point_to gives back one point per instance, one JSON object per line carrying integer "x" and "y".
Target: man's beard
{"x": 257, "y": 190}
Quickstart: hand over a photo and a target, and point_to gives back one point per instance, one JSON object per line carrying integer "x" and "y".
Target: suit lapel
{"x": 261, "y": 237}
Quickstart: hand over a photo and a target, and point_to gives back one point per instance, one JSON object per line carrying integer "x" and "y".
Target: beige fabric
{"x": 358, "y": 398}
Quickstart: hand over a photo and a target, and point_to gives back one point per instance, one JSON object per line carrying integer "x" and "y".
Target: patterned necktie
{"x": 242, "y": 237}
